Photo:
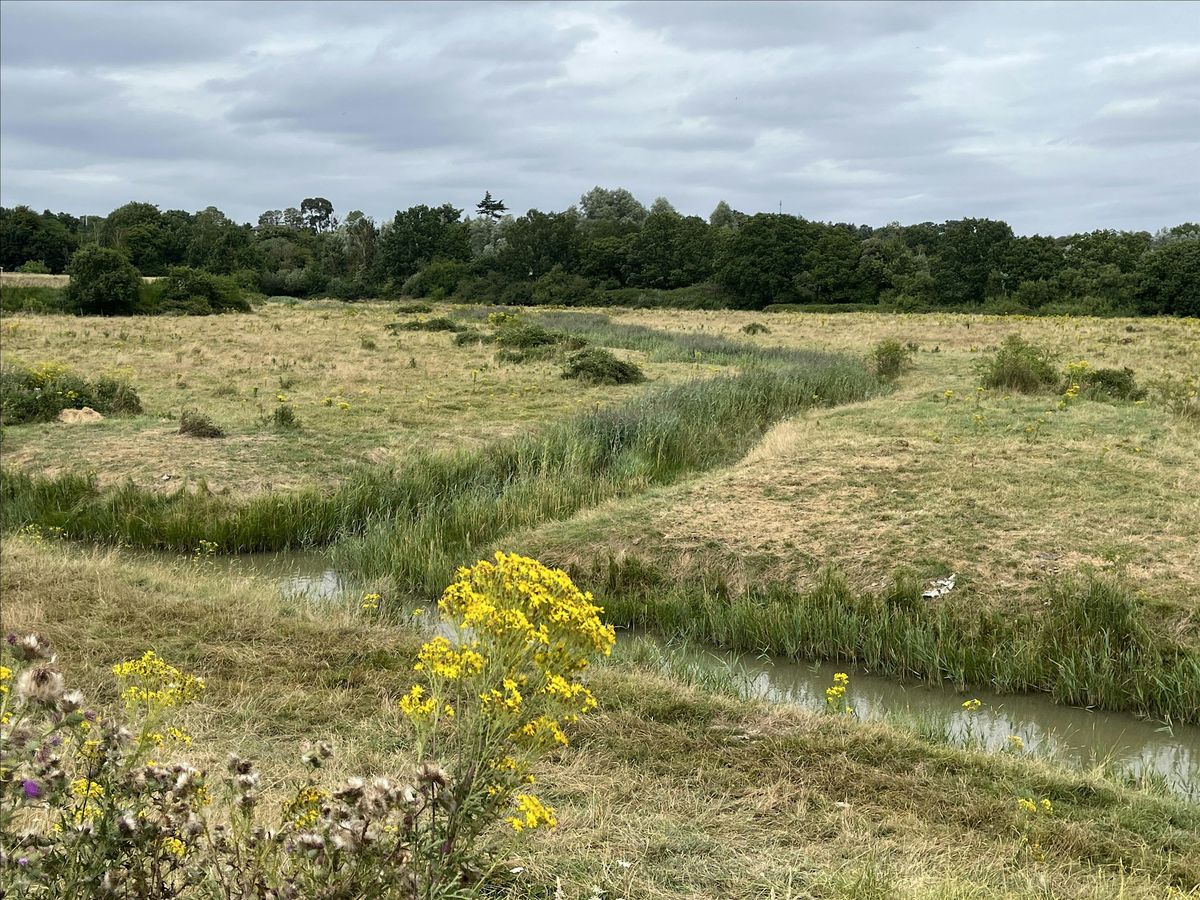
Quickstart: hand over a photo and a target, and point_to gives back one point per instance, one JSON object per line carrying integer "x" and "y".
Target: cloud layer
{"x": 1055, "y": 117}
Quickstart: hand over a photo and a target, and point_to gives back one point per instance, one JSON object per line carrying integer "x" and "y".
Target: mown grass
{"x": 704, "y": 796}
{"x": 418, "y": 522}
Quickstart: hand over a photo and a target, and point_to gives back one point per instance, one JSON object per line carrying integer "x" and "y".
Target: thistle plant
{"x": 88, "y": 807}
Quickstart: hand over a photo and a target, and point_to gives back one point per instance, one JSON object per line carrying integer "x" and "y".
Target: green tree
{"x": 725, "y": 216}
{"x": 761, "y": 260}
{"x": 317, "y": 213}
{"x": 26, "y": 236}
{"x": 103, "y": 282}
{"x": 830, "y": 272}
{"x": 1169, "y": 279}
{"x": 671, "y": 251}
{"x": 419, "y": 235}
{"x": 537, "y": 242}
{"x": 616, "y": 206}
{"x": 967, "y": 252}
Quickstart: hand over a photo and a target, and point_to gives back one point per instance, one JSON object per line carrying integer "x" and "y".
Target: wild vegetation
{"x": 609, "y": 249}
{"x": 790, "y": 489}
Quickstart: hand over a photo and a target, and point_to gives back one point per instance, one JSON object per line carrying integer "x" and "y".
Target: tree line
{"x": 611, "y": 249}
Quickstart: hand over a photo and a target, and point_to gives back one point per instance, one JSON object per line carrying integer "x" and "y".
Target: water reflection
{"x": 1079, "y": 738}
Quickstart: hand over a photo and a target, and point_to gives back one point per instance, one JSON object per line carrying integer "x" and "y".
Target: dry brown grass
{"x": 957, "y": 484}
{"x": 705, "y": 797}
{"x": 414, "y": 391}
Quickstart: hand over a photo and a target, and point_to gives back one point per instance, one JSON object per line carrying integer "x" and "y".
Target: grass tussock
{"x": 599, "y": 366}
{"x": 194, "y": 423}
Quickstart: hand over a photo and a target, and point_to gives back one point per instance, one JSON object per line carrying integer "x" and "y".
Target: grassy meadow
{"x": 762, "y": 490}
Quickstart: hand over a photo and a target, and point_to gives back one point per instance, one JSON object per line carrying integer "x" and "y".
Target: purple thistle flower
{"x": 23, "y": 861}
{"x": 32, "y": 788}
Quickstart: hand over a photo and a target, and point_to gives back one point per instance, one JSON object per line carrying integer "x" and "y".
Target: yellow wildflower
{"x": 531, "y": 813}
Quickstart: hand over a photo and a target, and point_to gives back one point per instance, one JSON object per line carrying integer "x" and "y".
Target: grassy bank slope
{"x": 704, "y": 797}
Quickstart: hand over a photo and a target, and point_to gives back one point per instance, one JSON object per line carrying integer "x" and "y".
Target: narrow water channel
{"x": 1078, "y": 738}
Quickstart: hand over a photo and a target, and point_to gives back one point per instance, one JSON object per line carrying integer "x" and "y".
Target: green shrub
{"x": 33, "y": 267}
{"x": 1020, "y": 366}
{"x": 40, "y": 394}
{"x": 103, "y": 282}
{"x": 35, "y": 299}
{"x": 560, "y": 288}
{"x": 196, "y": 424}
{"x": 755, "y": 328}
{"x": 284, "y": 418}
{"x": 890, "y": 357}
{"x": 194, "y": 292}
{"x": 1113, "y": 384}
{"x": 437, "y": 323}
{"x": 471, "y": 336}
{"x": 436, "y": 281}
{"x": 414, "y": 308}
{"x": 598, "y": 366}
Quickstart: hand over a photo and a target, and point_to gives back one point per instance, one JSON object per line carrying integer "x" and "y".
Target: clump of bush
{"x": 890, "y": 357}
{"x": 1020, "y": 366}
{"x": 194, "y": 292}
{"x": 471, "y": 336}
{"x": 755, "y": 328}
{"x": 414, "y": 308}
{"x": 437, "y": 280}
{"x": 103, "y": 282}
{"x": 596, "y": 365}
{"x": 1111, "y": 384}
{"x": 436, "y": 323}
{"x": 41, "y": 393}
{"x": 284, "y": 418}
{"x": 194, "y": 423}
{"x": 108, "y": 799}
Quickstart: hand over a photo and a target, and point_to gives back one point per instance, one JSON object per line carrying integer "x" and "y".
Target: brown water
{"x": 1078, "y": 738}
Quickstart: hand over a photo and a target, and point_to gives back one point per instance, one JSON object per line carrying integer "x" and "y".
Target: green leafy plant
{"x": 599, "y": 366}
{"x": 1020, "y": 366}
{"x": 194, "y": 423}
{"x": 889, "y": 358}
{"x": 41, "y": 393}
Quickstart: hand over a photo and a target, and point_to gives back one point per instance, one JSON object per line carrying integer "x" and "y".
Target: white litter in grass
{"x": 940, "y": 587}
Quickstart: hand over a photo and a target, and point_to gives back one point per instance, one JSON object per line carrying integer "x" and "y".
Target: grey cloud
{"x": 1056, "y": 117}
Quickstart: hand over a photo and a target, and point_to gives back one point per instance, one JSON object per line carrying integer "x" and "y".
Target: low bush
{"x": 598, "y": 366}
{"x": 1111, "y": 384}
{"x": 35, "y": 299}
{"x": 890, "y": 357}
{"x": 33, "y": 267}
{"x": 1020, "y": 366}
{"x": 471, "y": 336}
{"x": 196, "y": 424}
{"x": 414, "y": 308}
{"x": 40, "y": 394}
{"x": 755, "y": 328}
{"x": 194, "y": 292}
{"x": 437, "y": 281}
{"x": 284, "y": 418}
{"x": 437, "y": 323}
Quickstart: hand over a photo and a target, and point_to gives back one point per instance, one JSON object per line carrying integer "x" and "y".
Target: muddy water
{"x": 1078, "y": 738}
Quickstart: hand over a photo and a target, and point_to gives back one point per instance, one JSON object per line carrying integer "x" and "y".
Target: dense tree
{"x": 317, "y": 213}
{"x": 616, "y": 206}
{"x": 725, "y": 216}
{"x": 26, "y": 236}
{"x": 830, "y": 272}
{"x": 271, "y": 218}
{"x": 419, "y": 235}
{"x": 762, "y": 259}
{"x": 103, "y": 282}
{"x": 671, "y": 251}
{"x": 1169, "y": 278}
{"x": 967, "y": 253}
{"x": 537, "y": 242}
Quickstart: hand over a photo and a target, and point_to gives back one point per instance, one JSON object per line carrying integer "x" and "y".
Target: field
{"x": 715, "y": 501}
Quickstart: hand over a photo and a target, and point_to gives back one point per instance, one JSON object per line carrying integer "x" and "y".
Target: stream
{"x": 1077, "y": 738}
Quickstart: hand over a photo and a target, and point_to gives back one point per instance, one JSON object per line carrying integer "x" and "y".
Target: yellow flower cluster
{"x": 1042, "y": 806}
{"x": 440, "y": 660}
{"x": 370, "y": 602}
{"x": 531, "y": 813}
{"x": 151, "y": 681}
{"x": 174, "y": 846}
{"x": 304, "y": 809}
{"x": 543, "y": 731}
{"x": 972, "y": 705}
{"x": 87, "y": 789}
{"x": 5, "y": 675}
{"x": 509, "y": 700}
{"x": 517, "y": 595}
{"x": 835, "y": 695}
{"x": 414, "y": 707}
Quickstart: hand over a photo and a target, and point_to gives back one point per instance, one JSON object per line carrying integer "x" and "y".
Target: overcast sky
{"x": 1054, "y": 117}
